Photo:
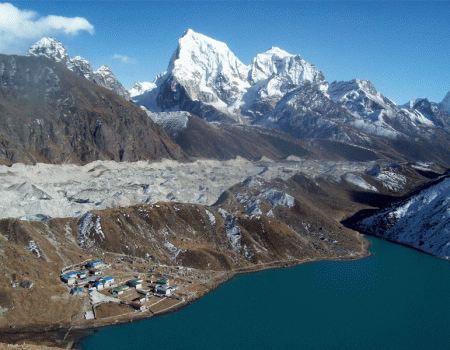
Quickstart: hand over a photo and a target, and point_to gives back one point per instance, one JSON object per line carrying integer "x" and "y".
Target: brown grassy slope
{"x": 175, "y": 234}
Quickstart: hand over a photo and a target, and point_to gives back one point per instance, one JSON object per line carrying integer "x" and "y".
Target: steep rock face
{"x": 105, "y": 77}
{"x": 421, "y": 220}
{"x": 202, "y": 71}
{"x": 49, "y": 114}
{"x": 141, "y": 88}
{"x": 307, "y": 112}
{"x": 50, "y": 48}
{"x": 208, "y": 70}
{"x": 272, "y": 75}
{"x": 205, "y": 78}
{"x": 377, "y": 115}
{"x": 445, "y": 104}
{"x": 53, "y": 49}
{"x": 432, "y": 111}
{"x": 81, "y": 67}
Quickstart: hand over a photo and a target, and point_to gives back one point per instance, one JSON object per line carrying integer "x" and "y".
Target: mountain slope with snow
{"x": 377, "y": 114}
{"x": 55, "y": 50}
{"x": 421, "y": 220}
{"x": 432, "y": 111}
{"x": 205, "y": 78}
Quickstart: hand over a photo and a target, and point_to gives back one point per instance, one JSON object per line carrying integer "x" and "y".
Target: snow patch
{"x": 32, "y": 247}
{"x": 233, "y": 232}
{"x": 278, "y": 198}
{"x": 98, "y": 229}
{"x": 172, "y": 122}
{"x": 211, "y": 217}
{"x": 87, "y": 223}
{"x": 359, "y": 181}
{"x": 174, "y": 250}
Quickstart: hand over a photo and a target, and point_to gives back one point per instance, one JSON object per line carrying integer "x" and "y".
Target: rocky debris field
{"x": 34, "y": 192}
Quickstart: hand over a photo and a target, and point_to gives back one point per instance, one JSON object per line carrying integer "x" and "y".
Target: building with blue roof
{"x": 95, "y": 264}
{"x": 109, "y": 280}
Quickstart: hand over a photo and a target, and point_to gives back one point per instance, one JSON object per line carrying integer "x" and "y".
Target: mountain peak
{"x": 53, "y": 49}
{"x": 188, "y": 32}
{"x": 105, "y": 69}
{"x": 276, "y": 50}
{"x": 277, "y": 62}
{"x": 200, "y": 60}
{"x": 445, "y": 104}
{"x": 411, "y": 104}
{"x": 50, "y": 48}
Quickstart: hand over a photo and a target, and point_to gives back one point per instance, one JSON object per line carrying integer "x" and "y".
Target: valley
{"x": 153, "y": 221}
{"x": 118, "y": 205}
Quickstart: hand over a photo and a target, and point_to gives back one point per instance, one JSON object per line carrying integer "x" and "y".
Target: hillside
{"x": 49, "y": 114}
{"x": 281, "y": 214}
{"x": 419, "y": 220}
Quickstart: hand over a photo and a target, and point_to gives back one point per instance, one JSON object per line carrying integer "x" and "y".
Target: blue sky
{"x": 401, "y": 47}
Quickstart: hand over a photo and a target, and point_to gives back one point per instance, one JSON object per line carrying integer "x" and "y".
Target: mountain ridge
{"x": 50, "y": 114}
{"x": 284, "y": 92}
{"x": 55, "y": 50}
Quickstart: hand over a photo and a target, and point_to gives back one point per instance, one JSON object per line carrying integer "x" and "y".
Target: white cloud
{"x": 124, "y": 59}
{"x": 18, "y": 28}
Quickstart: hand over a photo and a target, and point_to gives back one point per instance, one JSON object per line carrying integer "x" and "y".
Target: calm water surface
{"x": 396, "y": 299}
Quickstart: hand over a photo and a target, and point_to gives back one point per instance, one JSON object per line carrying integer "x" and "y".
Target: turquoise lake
{"x": 396, "y": 299}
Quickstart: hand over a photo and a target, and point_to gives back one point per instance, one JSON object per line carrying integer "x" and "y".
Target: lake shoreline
{"x": 72, "y": 336}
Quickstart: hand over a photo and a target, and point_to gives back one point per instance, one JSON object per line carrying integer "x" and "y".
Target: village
{"x": 118, "y": 290}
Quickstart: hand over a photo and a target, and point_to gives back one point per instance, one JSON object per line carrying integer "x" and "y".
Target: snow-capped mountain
{"x": 272, "y": 75}
{"x": 307, "y": 112}
{"x": 55, "y": 50}
{"x": 431, "y": 111}
{"x": 204, "y": 77}
{"x": 208, "y": 70}
{"x": 377, "y": 115}
{"x": 50, "y": 48}
{"x": 421, "y": 220}
{"x": 284, "y": 92}
{"x": 141, "y": 88}
{"x": 277, "y": 62}
{"x": 81, "y": 67}
{"x": 105, "y": 77}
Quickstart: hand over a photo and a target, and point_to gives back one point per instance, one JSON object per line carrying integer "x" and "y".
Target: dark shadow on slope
{"x": 348, "y": 152}
{"x": 285, "y": 147}
{"x": 428, "y": 174}
{"x": 352, "y": 221}
{"x": 373, "y": 199}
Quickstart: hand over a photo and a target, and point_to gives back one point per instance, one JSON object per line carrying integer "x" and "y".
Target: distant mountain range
{"x": 284, "y": 92}
{"x": 277, "y": 94}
